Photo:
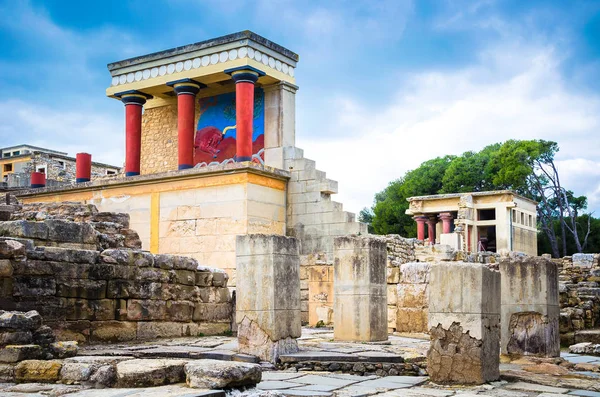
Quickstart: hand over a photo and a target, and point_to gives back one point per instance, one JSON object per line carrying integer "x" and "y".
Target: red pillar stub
{"x": 446, "y": 218}
{"x": 245, "y": 78}
{"x": 83, "y": 167}
{"x": 186, "y": 90}
{"x": 38, "y": 179}
{"x": 431, "y": 222}
{"x": 134, "y": 102}
{"x": 420, "y": 227}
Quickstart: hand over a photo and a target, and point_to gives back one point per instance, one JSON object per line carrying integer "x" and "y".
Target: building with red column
{"x": 481, "y": 221}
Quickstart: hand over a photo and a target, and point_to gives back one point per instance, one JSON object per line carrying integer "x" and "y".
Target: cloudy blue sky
{"x": 383, "y": 85}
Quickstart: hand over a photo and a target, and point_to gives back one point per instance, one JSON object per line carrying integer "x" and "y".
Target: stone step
{"x": 329, "y": 356}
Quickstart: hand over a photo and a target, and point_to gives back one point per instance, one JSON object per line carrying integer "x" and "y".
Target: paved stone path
{"x": 314, "y": 342}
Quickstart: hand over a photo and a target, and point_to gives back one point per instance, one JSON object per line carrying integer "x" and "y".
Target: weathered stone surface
{"x": 214, "y": 374}
{"x": 529, "y": 306}
{"x": 30, "y": 320}
{"x": 464, "y": 316}
{"x": 159, "y": 329}
{"x": 150, "y": 372}
{"x": 11, "y": 249}
{"x": 7, "y": 373}
{"x": 81, "y": 288}
{"x": 113, "y": 331}
{"x": 38, "y": 371}
{"x": 64, "y": 349}
{"x": 268, "y": 318}
{"x": 13, "y": 337}
{"x": 6, "y": 268}
{"x": 16, "y": 353}
{"x": 455, "y": 356}
{"x": 583, "y": 260}
{"x": 144, "y": 310}
{"x": 43, "y": 336}
{"x": 34, "y": 286}
{"x": 587, "y": 348}
{"x": 360, "y": 289}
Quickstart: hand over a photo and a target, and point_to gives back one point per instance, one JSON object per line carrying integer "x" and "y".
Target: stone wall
{"x": 159, "y": 138}
{"x": 62, "y": 169}
{"x": 579, "y": 288}
{"x": 91, "y": 283}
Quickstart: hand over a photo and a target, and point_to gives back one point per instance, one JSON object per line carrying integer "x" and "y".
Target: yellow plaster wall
{"x": 12, "y": 161}
{"x": 197, "y": 217}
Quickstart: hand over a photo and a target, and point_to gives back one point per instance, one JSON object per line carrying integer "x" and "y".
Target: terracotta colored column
{"x": 446, "y": 218}
{"x": 245, "y": 77}
{"x": 134, "y": 102}
{"x": 83, "y": 167}
{"x": 186, "y": 90}
{"x": 431, "y": 222}
{"x": 420, "y": 227}
{"x": 38, "y": 179}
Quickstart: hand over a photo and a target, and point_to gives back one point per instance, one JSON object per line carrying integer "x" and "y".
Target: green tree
{"x": 391, "y": 204}
{"x": 526, "y": 167}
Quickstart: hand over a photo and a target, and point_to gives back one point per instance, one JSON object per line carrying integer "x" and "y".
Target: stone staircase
{"x": 312, "y": 216}
{"x": 315, "y": 220}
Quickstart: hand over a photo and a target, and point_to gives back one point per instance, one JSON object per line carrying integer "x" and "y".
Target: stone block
{"x": 412, "y": 320}
{"x": 32, "y": 267}
{"x": 6, "y": 268}
{"x": 20, "y": 321}
{"x": 204, "y": 278}
{"x": 149, "y": 372}
{"x": 24, "y": 229}
{"x": 121, "y": 289}
{"x": 464, "y": 321}
{"x": 14, "y": 337}
{"x": 34, "y": 286}
{"x": 414, "y": 273}
{"x": 81, "y": 288}
{"x": 180, "y": 311}
{"x": 583, "y": 260}
{"x": 412, "y": 295}
{"x": 393, "y": 275}
{"x": 268, "y": 296}
{"x": 16, "y": 353}
{"x": 112, "y": 331}
{"x": 529, "y": 306}
{"x": 216, "y": 374}
{"x": 57, "y": 254}
{"x": 145, "y": 310}
{"x": 159, "y": 329}
{"x": 360, "y": 289}
{"x": 11, "y": 249}
{"x": 38, "y": 371}
{"x": 212, "y": 312}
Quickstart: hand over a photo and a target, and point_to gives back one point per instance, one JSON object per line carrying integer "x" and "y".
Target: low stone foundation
{"x": 109, "y": 292}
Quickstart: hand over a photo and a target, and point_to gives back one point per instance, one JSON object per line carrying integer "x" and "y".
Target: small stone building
{"x": 496, "y": 221}
{"x": 18, "y": 162}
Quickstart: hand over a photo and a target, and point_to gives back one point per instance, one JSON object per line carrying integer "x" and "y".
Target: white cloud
{"x": 100, "y": 134}
{"x": 513, "y": 92}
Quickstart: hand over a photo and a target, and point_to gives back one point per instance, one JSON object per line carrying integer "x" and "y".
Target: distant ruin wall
{"x": 579, "y": 288}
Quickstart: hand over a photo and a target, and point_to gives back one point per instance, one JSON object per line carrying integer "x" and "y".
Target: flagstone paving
{"x": 318, "y": 344}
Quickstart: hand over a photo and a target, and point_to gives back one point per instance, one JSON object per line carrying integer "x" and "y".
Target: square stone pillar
{"x": 464, "y": 323}
{"x": 529, "y": 307}
{"x": 280, "y": 121}
{"x": 267, "y": 295}
{"x": 359, "y": 289}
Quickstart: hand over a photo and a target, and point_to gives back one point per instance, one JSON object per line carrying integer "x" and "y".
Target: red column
{"x": 134, "y": 102}
{"x": 446, "y": 218}
{"x": 431, "y": 222}
{"x": 38, "y": 179}
{"x": 420, "y": 227}
{"x": 245, "y": 77}
{"x": 186, "y": 90}
{"x": 83, "y": 167}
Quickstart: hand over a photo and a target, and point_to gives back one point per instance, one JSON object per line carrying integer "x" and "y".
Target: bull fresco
{"x": 215, "y": 136}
